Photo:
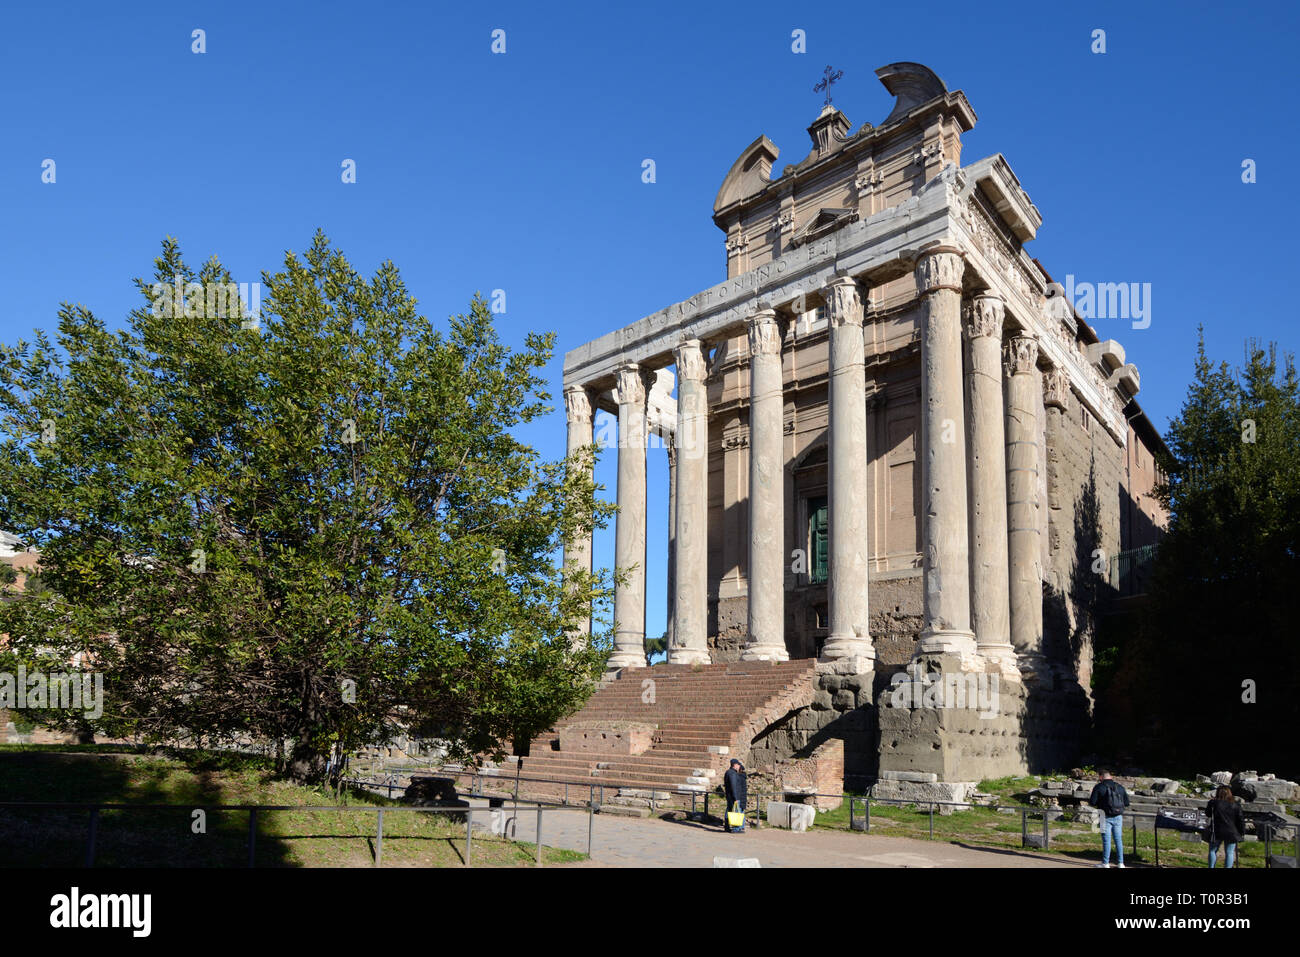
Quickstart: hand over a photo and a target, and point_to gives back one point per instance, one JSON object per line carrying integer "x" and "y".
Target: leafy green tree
{"x": 1214, "y": 678}
{"x": 315, "y": 526}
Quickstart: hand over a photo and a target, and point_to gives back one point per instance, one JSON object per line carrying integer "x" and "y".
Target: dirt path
{"x": 638, "y": 842}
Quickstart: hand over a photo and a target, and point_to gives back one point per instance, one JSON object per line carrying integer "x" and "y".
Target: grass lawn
{"x": 168, "y": 838}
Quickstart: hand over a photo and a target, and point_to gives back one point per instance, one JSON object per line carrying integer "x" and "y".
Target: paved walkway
{"x": 641, "y": 842}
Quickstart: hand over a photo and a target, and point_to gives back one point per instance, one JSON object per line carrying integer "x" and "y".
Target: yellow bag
{"x": 735, "y": 819}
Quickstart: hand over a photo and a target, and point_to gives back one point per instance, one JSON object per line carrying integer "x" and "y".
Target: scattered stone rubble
{"x": 1149, "y": 794}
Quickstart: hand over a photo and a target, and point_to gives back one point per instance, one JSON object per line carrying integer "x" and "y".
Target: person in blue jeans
{"x": 1110, "y": 798}
{"x": 1227, "y": 825}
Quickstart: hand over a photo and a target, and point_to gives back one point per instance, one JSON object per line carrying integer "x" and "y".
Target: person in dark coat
{"x": 1227, "y": 825}
{"x": 736, "y": 789}
{"x": 1110, "y": 798}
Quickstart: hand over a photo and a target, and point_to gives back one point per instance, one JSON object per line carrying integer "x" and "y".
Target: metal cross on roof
{"x": 825, "y": 83}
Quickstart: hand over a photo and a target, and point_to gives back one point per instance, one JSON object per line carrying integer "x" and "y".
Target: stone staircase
{"x": 697, "y": 718}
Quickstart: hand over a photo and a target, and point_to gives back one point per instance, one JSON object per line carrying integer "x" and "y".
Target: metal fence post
{"x": 469, "y": 835}
{"x": 932, "y": 820}
{"x": 379, "y": 841}
{"x": 852, "y": 801}
{"x": 1135, "y": 837}
{"x": 591, "y": 820}
{"x": 90, "y": 837}
{"x": 1047, "y": 836}
{"x": 1024, "y": 827}
{"x": 539, "y": 835}
{"x": 866, "y": 814}
{"x": 252, "y": 835}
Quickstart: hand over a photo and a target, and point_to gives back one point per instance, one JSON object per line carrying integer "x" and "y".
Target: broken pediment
{"x": 827, "y": 220}
{"x": 912, "y": 84}
{"x": 749, "y": 174}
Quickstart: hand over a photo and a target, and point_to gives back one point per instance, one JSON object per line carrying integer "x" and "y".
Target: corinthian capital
{"x": 764, "y": 334}
{"x": 577, "y": 403}
{"x": 1021, "y": 355}
{"x": 690, "y": 361}
{"x": 940, "y": 269}
{"x": 631, "y": 384}
{"x": 843, "y": 301}
{"x": 984, "y": 315}
{"x": 1056, "y": 388}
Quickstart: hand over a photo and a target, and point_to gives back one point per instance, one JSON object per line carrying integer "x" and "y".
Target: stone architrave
{"x": 1024, "y": 558}
{"x": 629, "y": 531}
{"x": 578, "y": 556}
{"x": 689, "y": 642}
{"x": 945, "y": 541}
{"x": 850, "y": 635}
{"x": 990, "y": 614}
{"x": 766, "y": 640}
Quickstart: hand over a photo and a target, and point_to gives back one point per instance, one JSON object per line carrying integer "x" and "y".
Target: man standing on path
{"x": 735, "y": 787}
{"x": 1110, "y": 798}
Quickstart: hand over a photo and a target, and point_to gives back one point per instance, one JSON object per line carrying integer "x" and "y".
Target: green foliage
{"x": 1223, "y": 598}
{"x": 656, "y": 646}
{"x": 240, "y": 525}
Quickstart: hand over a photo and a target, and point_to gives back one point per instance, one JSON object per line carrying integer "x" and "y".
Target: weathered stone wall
{"x": 841, "y": 709}
{"x": 820, "y": 775}
{"x": 1084, "y": 468}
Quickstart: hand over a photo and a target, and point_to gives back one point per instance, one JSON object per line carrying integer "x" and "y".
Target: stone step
{"x": 698, "y": 714}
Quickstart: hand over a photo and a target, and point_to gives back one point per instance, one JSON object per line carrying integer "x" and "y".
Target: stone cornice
{"x": 880, "y": 247}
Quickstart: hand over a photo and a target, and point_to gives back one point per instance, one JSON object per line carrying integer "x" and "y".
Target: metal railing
{"x": 254, "y": 810}
{"x": 1266, "y": 832}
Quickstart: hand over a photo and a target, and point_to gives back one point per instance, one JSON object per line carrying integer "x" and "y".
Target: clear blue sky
{"x": 522, "y": 171}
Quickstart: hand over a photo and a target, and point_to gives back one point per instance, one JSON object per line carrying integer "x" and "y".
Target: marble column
{"x": 577, "y": 406}
{"x": 1056, "y": 396}
{"x": 1024, "y": 557}
{"x": 987, "y": 474}
{"x": 850, "y": 635}
{"x": 690, "y": 640}
{"x": 670, "y": 621}
{"x": 629, "y": 537}
{"x": 945, "y": 532}
{"x": 766, "y": 492}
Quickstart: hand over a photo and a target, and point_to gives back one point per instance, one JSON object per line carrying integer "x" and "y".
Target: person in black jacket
{"x": 1227, "y": 825}
{"x": 1110, "y": 798}
{"x": 736, "y": 789}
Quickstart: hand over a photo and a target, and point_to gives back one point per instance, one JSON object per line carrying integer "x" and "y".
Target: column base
{"x": 688, "y": 656}
{"x": 764, "y": 653}
{"x": 624, "y": 659}
{"x": 1002, "y": 660}
{"x": 1035, "y": 669}
{"x": 850, "y": 665}
{"x": 946, "y": 641}
{"x": 848, "y": 646}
